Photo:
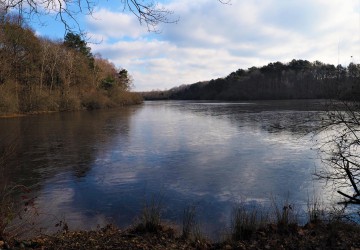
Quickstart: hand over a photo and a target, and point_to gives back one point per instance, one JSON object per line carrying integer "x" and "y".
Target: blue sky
{"x": 211, "y": 40}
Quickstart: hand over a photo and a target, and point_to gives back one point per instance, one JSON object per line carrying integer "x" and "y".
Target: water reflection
{"x": 100, "y": 167}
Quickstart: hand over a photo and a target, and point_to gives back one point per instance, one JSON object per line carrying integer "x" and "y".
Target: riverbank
{"x": 43, "y": 101}
{"x": 15, "y": 115}
{"x": 331, "y": 235}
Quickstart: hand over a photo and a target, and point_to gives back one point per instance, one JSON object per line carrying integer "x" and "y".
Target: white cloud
{"x": 115, "y": 25}
{"x": 211, "y": 40}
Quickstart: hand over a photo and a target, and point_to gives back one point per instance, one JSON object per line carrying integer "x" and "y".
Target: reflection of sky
{"x": 188, "y": 157}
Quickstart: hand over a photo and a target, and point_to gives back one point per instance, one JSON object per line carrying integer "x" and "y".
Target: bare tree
{"x": 340, "y": 147}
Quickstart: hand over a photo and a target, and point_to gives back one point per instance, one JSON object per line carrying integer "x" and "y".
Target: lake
{"x": 93, "y": 168}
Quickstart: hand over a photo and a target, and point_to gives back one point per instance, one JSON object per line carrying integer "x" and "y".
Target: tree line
{"x": 298, "y": 79}
{"x": 39, "y": 74}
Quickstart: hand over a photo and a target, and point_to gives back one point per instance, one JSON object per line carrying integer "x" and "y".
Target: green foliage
{"x": 74, "y": 41}
{"x": 124, "y": 79}
{"x": 107, "y": 83}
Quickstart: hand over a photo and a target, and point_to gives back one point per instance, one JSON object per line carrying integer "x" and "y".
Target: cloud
{"x": 115, "y": 25}
{"x": 211, "y": 40}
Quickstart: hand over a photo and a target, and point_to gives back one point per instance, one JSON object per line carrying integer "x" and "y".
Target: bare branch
{"x": 352, "y": 199}
{"x": 340, "y": 148}
{"x": 148, "y": 12}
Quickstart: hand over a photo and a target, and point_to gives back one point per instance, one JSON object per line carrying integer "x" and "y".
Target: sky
{"x": 211, "y": 40}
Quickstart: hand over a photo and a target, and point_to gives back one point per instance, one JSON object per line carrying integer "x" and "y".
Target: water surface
{"x": 93, "y": 168}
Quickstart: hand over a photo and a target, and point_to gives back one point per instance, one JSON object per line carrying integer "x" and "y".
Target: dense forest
{"x": 39, "y": 74}
{"x": 298, "y": 79}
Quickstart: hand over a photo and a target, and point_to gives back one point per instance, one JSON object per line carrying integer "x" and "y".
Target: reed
{"x": 245, "y": 222}
{"x": 150, "y": 217}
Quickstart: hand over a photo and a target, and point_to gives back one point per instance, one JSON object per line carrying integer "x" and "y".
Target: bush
{"x": 122, "y": 97}
{"x": 95, "y": 100}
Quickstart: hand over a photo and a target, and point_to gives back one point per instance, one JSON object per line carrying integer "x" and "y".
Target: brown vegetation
{"x": 332, "y": 235}
{"x": 37, "y": 74}
{"x": 251, "y": 228}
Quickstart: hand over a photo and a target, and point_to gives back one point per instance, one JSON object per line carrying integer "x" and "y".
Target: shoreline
{"x": 319, "y": 235}
{"x": 33, "y": 113}
{"x": 15, "y": 115}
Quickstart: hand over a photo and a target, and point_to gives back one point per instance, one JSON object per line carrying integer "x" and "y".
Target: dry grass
{"x": 150, "y": 217}
{"x": 188, "y": 221}
{"x": 191, "y": 229}
{"x": 316, "y": 212}
{"x": 245, "y": 222}
{"x": 284, "y": 213}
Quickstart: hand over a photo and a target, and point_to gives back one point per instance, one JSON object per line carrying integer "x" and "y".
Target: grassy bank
{"x": 324, "y": 235}
{"x": 249, "y": 229}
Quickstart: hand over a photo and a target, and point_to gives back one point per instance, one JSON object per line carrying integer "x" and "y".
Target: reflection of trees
{"x": 172, "y": 158}
{"x": 297, "y": 117}
{"x": 295, "y": 123}
{"x": 49, "y": 144}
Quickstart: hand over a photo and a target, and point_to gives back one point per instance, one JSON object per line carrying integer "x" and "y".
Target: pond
{"x": 99, "y": 167}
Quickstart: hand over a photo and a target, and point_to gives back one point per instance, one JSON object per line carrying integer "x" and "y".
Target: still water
{"x": 99, "y": 167}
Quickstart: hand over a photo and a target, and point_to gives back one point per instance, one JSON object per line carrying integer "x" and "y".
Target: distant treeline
{"x": 298, "y": 79}
{"x": 38, "y": 74}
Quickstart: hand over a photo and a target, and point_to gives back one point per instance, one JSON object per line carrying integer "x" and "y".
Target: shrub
{"x": 121, "y": 97}
{"x": 95, "y": 100}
